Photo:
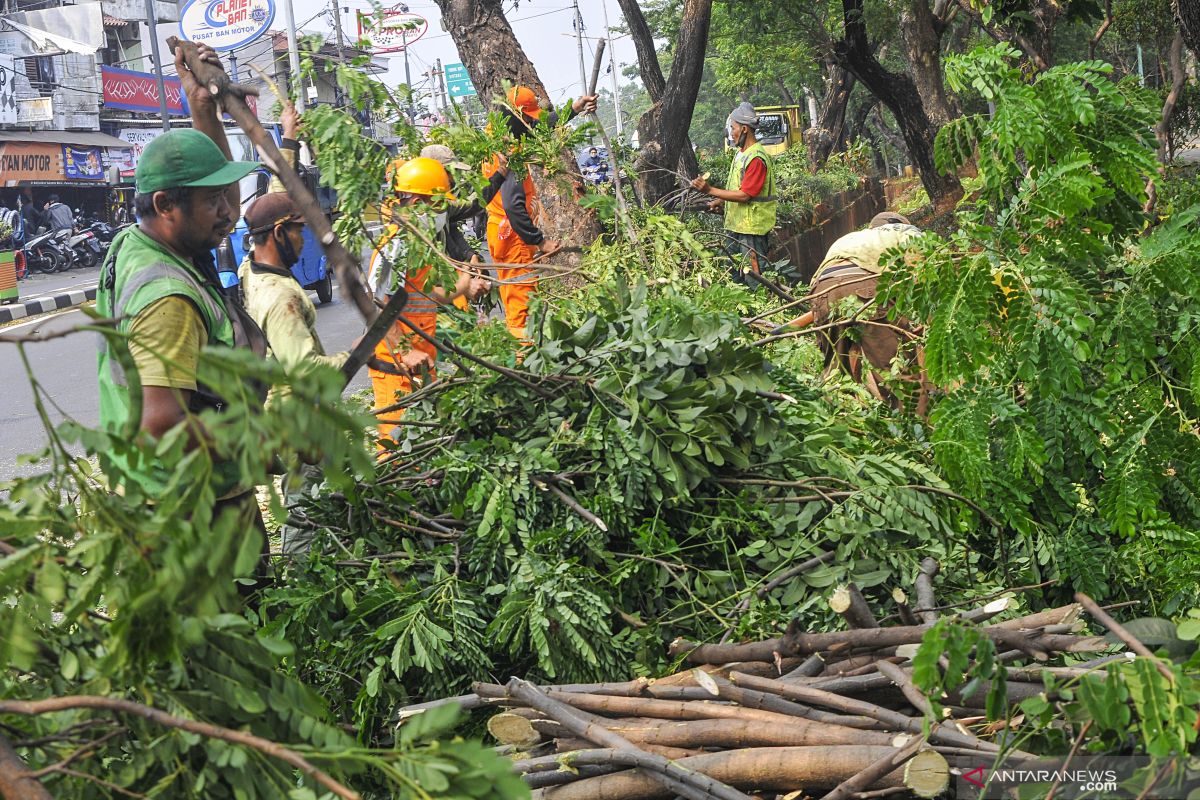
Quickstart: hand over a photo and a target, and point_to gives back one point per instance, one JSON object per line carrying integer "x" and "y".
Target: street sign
{"x": 458, "y": 82}
{"x": 225, "y": 24}
{"x": 391, "y": 31}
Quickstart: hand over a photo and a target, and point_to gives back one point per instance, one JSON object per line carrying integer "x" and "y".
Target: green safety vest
{"x": 758, "y": 215}
{"x": 137, "y": 272}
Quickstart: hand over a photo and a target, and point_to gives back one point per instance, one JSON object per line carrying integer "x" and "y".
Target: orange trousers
{"x": 388, "y": 387}
{"x": 506, "y": 247}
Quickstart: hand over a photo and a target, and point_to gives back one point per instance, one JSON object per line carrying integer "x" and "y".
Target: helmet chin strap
{"x": 283, "y": 244}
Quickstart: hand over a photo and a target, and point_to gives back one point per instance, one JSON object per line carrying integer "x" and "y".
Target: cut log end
{"x": 927, "y": 774}
{"x": 839, "y": 601}
{"x": 513, "y": 729}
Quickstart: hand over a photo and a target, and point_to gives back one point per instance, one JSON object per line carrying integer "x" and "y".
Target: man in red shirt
{"x": 749, "y": 196}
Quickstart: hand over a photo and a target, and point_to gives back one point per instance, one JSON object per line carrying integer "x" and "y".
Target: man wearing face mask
{"x": 749, "y": 193}
{"x": 421, "y": 185}
{"x": 274, "y": 298}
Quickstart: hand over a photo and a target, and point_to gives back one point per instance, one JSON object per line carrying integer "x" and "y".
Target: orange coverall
{"x": 423, "y": 311}
{"x": 506, "y": 247}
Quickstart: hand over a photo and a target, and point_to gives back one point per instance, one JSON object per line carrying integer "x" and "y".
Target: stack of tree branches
{"x": 862, "y": 712}
{"x": 645, "y": 473}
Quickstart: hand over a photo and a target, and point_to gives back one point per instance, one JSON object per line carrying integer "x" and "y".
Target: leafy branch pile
{"x": 647, "y": 473}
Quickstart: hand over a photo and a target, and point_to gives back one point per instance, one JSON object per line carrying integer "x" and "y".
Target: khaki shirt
{"x": 864, "y": 248}
{"x": 287, "y": 316}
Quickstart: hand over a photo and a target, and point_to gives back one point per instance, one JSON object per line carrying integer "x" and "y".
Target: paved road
{"x": 39, "y": 284}
{"x": 66, "y": 371}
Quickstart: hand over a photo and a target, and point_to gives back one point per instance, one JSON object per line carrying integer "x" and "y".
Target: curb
{"x": 43, "y": 305}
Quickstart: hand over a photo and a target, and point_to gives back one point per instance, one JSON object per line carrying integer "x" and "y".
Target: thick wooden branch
{"x": 848, "y": 602}
{"x": 670, "y": 774}
{"x": 232, "y": 96}
{"x": 33, "y": 708}
{"x": 772, "y": 769}
{"x": 16, "y": 780}
{"x": 926, "y": 603}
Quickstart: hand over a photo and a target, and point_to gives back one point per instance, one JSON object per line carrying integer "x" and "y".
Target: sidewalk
{"x": 41, "y": 293}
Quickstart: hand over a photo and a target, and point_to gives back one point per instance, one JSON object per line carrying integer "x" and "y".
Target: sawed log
{"x": 771, "y": 769}
{"x": 669, "y": 776}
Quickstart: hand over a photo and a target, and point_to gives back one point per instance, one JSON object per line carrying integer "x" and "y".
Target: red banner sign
{"x": 138, "y": 91}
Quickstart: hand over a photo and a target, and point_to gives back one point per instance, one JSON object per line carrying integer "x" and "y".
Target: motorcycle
{"x": 43, "y": 253}
{"x": 85, "y": 249}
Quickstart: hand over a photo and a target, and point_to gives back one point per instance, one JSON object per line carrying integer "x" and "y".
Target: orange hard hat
{"x": 424, "y": 176}
{"x": 524, "y": 100}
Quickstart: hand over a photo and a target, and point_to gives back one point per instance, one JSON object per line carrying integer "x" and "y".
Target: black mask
{"x": 283, "y": 243}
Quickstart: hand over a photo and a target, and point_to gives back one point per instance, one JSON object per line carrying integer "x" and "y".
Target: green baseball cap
{"x": 186, "y": 157}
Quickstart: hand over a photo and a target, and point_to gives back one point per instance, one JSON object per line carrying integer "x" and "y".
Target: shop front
{"x": 35, "y": 165}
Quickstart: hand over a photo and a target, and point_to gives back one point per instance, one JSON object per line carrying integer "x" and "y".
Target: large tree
{"x": 492, "y": 55}
{"x": 901, "y": 94}
{"x": 662, "y": 131}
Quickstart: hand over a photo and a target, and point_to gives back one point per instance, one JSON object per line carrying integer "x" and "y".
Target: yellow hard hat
{"x": 423, "y": 176}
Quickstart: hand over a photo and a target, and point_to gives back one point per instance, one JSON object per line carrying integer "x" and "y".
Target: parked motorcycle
{"x": 86, "y": 250}
{"x": 43, "y": 253}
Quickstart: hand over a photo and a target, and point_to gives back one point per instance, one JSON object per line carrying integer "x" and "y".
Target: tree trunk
{"x": 1187, "y": 15}
{"x": 1100, "y": 31}
{"x": 922, "y": 34}
{"x": 492, "y": 55}
{"x": 651, "y": 71}
{"x": 831, "y": 124}
{"x": 899, "y": 93}
{"x": 15, "y": 781}
{"x": 1178, "y": 79}
{"x": 662, "y": 131}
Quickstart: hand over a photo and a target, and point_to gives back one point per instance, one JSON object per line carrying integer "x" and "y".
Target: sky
{"x": 542, "y": 26}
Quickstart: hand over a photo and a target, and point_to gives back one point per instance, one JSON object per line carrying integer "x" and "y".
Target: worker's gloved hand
{"x": 550, "y": 247}
{"x": 585, "y": 104}
{"x": 701, "y": 185}
{"x": 502, "y": 164}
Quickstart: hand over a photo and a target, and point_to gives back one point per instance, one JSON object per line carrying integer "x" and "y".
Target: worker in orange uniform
{"x": 403, "y": 355}
{"x": 513, "y": 235}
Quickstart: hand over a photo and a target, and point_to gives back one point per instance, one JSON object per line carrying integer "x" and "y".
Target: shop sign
{"x": 225, "y": 24}
{"x": 35, "y": 109}
{"x": 30, "y": 161}
{"x": 391, "y": 31}
{"x": 82, "y": 163}
{"x": 138, "y": 91}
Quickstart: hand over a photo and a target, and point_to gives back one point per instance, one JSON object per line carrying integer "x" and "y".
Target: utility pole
{"x": 289, "y": 21}
{"x": 341, "y": 57}
{"x": 440, "y": 82}
{"x": 412, "y": 107}
{"x": 152, "y": 23}
{"x": 612, "y": 62}
{"x": 579, "y": 41}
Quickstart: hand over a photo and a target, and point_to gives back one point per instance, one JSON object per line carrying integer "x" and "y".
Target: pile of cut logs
{"x": 829, "y": 715}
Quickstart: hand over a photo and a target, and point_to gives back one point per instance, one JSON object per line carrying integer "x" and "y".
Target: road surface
{"x": 65, "y": 370}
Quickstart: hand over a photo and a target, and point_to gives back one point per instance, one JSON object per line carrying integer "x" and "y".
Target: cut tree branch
{"x": 32, "y": 708}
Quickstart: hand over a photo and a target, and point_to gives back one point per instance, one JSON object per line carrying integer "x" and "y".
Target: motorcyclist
{"x": 595, "y": 168}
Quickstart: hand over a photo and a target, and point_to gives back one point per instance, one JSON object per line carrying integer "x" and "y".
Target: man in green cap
{"x": 159, "y": 279}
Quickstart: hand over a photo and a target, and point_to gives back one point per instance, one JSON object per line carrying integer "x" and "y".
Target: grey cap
{"x": 745, "y": 115}
{"x": 442, "y": 154}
